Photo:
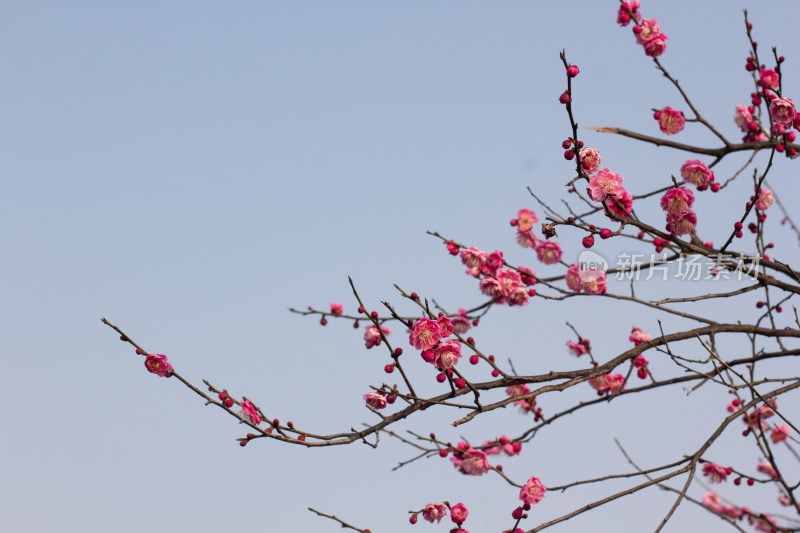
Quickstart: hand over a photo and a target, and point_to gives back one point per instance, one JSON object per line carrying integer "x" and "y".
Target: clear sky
{"x": 190, "y": 170}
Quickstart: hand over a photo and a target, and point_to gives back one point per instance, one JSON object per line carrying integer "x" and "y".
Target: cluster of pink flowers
{"x": 715, "y": 473}
{"x": 548, "y": 252}
{"x": 577, "y": 348}
{"x": 670, "y": 121}
{"x": 638, "y": 336}
{"x": 503, "y": 444}
{"x": 469, "y": 460}
{"x": 427, "y": 335}
{"x": 677, "y": 202}
{"x": 697, "y": 173}
{"x": 461, "y": 322}
{"x": 607, "y": 186}
{"x": 779, "y": 433}
{"x": 372, "y": 337}
{"x": 527, "y": 405}
{"x": 646, "y": 31}
{"x": 607, "y": 383}
{"x": 505, "y": 285}
{"x": 713, "y": 502}
{"x": 533, "y": 491}
{"x": 589, "y": 281}
{"x": 157, "y": 364}
{"x": 744, "y": 119}
{"x": 249, "y": 412}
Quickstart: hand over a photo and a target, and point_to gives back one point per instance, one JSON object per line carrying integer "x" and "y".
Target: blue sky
{"x": 190, "y": 170}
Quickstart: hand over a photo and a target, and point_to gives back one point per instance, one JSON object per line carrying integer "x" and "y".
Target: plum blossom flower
{"x": 715, "y": 473}
{"x": 549, "y": 252}
{"x": 425, "y": 334}
{"x": 621, "y": 203}
{"x": 623, "y": 14}
{"x": 157, "y": 364}
{"x": 638, "y": 336}
{"x": 473, "y": 259}
{"x": 764, "y": 200}
{"x": 372, "y": 336}
{"x": 681, "y": 223}
{"x": 607, "y": 383}
{"x": 593, "y": 281}
{"x": 527, "y": 239}
{"x": 697, "y": 173}
{"x": 576, "y": 348}
{"x": 519, "y": 296}
{"x": 446, "y": 354}
{"x": 458, "y": 513}
{"x": 434, "y": 511}
{"x": 766, "y": 467}
{"x": 249, "y": 412}
{"x": 445, "y": 326}
{"x": 671, "y": 121}
{"x": 677, "y": 199}
{"x": 491, "y": 287}
{"x": 713, "y": 502}
{"x": 461, "y": 323}
{"x": 742, "y": 117}
{"x": 779, "y": 433}
{"x": 590, "y": 159}
{"x": 603, "y": 183}
{"x": 475, "y": 462}
{"x": 655, "y": 47}
{"x": 495, "y": 261}
{"x": 526, "y": 218}
{"x": 646, "y": 30}
{"x": 509, "y": 447}
{"x": 782, "y": 111}
{"x": 770, "y": 78}
{"x": 533, "y": 491}
{"x": 509, "y": 279}
{"x": 517, "y": 390}
{"x": 573, "y": 279}
{"x": 375, "y": 400}
{"x": 767, "y": 523}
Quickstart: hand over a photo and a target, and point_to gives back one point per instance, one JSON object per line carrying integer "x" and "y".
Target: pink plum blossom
{"x": 677, "y": 199}
{"x": 495, "y": 261}
{"x": 715, "y": 473}
{"x": 372, "y": 336}
{"x": 434, "y": 511}
{"x": 603, "y": 183}
{"x": 697, "y": 173}
{"x": 782, "y": 111}
{"x": 764, "y": 200}
{"x": 446, "y": 354}
{"x": 591, "y": 160}
{"x": 473, "y": 259}
{"x": 509, "y": 279}
{"x": 375, "y": 400}
{"x": 624, "y": 17}
{"x": 576, "y": 348}
{"x": 766, "y": 467}
{"x": 655, "y": 47}
{"x": 767, "y": 523}
{"x": 425, "y": 334}
{"x": 638, "y": 336}
{"x": 779, "y": 433}
{"x": 519, "y": 296}
{"x": 445, "y": 326}
{"x": 461, "y": 323}
{"x": 646, "y": 30}
{"x": 607, "y": 383}
{"x": 671, "y": 121}
{"x": 526, "y": 218}
{"x": 458, "y": 513}
{"x": 573, "y": 279}
{"x": 473, "y": 462}
{"x": 742, "y": 117}
{"x": 620, "y": 204}
{"x": 527, "y": 239}
{"x": 770, "y": 78}
{"x": 681, "y": 223}
{"x": 713, "y": 502}
{"x": 517, "y": 390}
{"x": 249, "y": 412}
{"x": 157, "y": 364}
{"x": 533, "y": 491}
{"x": 593, "y": 281}
{"x": 549, "y": 252}
{"x": 491, "y": 287}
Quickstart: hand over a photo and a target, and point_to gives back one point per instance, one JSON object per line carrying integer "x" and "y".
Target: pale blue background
{"x": 192, "y": 169}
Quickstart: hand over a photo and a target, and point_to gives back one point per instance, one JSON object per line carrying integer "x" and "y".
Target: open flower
{"x": 533, "y": 491}
{"x": 434, "y": 511}
{"x": 249, "y": 412}
{"x": 157, "y": 364}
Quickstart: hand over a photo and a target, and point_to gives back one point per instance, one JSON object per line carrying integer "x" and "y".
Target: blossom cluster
{"x": 505, "y": 285}
{"x": 589, "y": 281}
{"x": 527, "y": 405}
{"x": 677, "y": 203}
{"x": 548, "y": 252}
{"x": 470, "y": 461}
{"x": 427, "y": 335}
{"x": 606, "y": 186}
{"x": 647, "y": 32}
{"x": 607, "y": 383}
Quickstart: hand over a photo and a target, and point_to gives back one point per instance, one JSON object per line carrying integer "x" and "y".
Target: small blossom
{"x": 495, "y": 261}
{"x": 603, "y": 183}
{"x": 576, "y": 348}
{"x": 375, "y": 400}
{"x": 337, "y": 309}
{"x": 677, "y": 199}
{"x": 573, "y": 279}
{"x": 764, "y": 200}
{"x": 425, "y": 334}
{"x": 640, "y": 361}
{"x": 767, "y": 523}
{"x": 715, "y": 473}
{"x": 681, "y": 223}
{"x": 770, "y": 78}
{"x": 621, "y": 203}
{"x": 157, "y": 364}
{"x": 519, "y": 296}
{"x": 533, "y": 491}
{"x": 549, "y": 252}
{"x": 474, "y": 463}
{"x": 458, "y": 513}
{"x": 593, "y": 281}
{"x": 446, "y": 354}
{"x": 527, "y": 239}
{"x": 671, "y": 121}
{"x": 491, "y": 287}
{"x": 646, "y": 30}
{"x": 372, "y": 336}
{"x": 473, "y": 259}
{"x": 249, "y": 412}
{"x": 434, "y": 511}
{"x": 742, "y": 117}
{"x": 591, "y": 159}
{"x": 767, "y": 468}
{"x": 655, "y": 47}
{"x": 461, "y": 322}
{"x": 624, "y": 16}
{"x": 445, "y": 326}
{"x": 713, "y": 502}
{"x": 779, "y": 433}
{"x": 517, "y": 390}
{"x": 526, "y": 218}
{"x": 697, "y": 173}
{"x": 782, "y": 111}
{"x": 638, "y": 336}
{"x": 607, "y": 383}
